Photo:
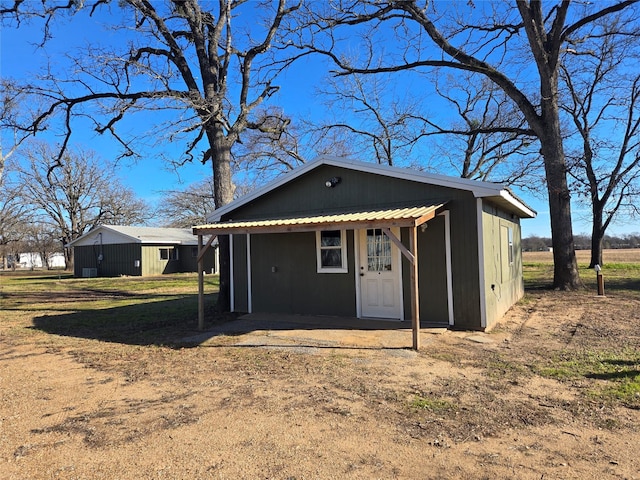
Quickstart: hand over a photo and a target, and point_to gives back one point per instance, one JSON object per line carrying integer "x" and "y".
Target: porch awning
{"x": 396, "y": 217}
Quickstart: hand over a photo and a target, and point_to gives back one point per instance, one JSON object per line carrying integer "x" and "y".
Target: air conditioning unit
{"x": 89, "y": 272}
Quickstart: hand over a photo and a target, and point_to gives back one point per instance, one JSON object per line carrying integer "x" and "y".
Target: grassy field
{"x": 621, "y": 270}
{"x": 121, "y": 309}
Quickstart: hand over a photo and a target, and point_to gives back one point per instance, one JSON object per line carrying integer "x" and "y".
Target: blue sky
{"x": 19, "y": 58}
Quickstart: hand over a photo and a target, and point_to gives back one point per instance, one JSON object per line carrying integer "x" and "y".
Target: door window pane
{"x": 378, "y": 251}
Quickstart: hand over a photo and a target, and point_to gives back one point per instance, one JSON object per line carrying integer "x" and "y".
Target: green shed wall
{"x": 120, "y": 259}
{"x": 152, "y": 264}
{"x": 308, "y": 195}
{"x": 239, "y": 263}
{"x": 117, "y": 259}
{"x": 84, "y": 257}
{"x": 284, "y": 277}
{"x": 465, "y": 267}
{"x": 189, "y": 259}
{"x": 432, "y": 273}
{"x": 504, "y": 284}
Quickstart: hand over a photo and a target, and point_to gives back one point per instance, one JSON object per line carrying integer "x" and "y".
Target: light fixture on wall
{"x": 332, "y": 182}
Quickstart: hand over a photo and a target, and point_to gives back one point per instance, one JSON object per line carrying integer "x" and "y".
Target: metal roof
{"x": 153, "y": 234}
{"x": 133, "y": 234}
{"x": 397, "y": 217}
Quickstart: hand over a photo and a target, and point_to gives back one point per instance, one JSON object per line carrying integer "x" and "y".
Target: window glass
{"x": 330, "y": 238}
{"x": 168, "y": 254}
{"x": 331, "y": 258}
{"x": 331, "y": 251}
{"x": 506, "y": 251}
{"x": 378, "y": 251}
{"x": 510, "y": 234}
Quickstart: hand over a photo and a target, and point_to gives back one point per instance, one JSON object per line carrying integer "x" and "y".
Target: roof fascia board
{"x": 479, "y": 189}
{"x": 518, "y": 204}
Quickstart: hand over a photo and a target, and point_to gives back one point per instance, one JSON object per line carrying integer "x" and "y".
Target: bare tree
{"x": 14, "y": 214}
{"x": 45, "y": 242}
{"x": 487, "y": 140}
{"x": 206, "y": 66}
{"x": 37, "y": 244}
{"x": 12, "y": 118}
{"x": 77, "y": 196}
{"x": 603, "y": 104}
{"x": 326, "y": 141}
{"x": 380, "y": 122}
{"x": 188, "y": 207}
{"x": 264, "y": 153}
{"x": 501, "y": 43}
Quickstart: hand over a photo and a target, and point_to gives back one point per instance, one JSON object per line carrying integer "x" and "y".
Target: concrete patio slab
{"x": 300, "y": 331}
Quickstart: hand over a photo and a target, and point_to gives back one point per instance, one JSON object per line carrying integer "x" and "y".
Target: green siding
{"x": 120, "y": 259}
{"x": 84, "y": 257}
{"x": 152, "y": 264}
{"x": 189, "y": 259}
{"x": 117, "y": 259}
{"x": 432, "y": 277}
{"x": 465, "y": 267}
{"x": 358, "y": 190}
{"x": 239, "y": 264}
{"x": 285, "y": 280}
{"x": 504, "y": 284}
{"x": 432, "y": 274}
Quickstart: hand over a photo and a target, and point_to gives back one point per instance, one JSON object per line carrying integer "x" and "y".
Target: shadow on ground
{"x": 174, "y": 323}
{"x": 146, "y": 323}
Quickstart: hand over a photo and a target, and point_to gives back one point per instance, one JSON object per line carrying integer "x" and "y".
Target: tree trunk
{"x": 223, "y": 194}
{"x": 597, "y": 235}
{"x": 565, "y": 269}
{"x": 68, "y": 255}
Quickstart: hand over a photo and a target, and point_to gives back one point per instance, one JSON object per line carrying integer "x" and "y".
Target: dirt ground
{"x": 286, "y": 405}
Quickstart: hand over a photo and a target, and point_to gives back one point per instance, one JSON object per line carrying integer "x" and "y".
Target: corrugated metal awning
{"x": 396, "y": 217}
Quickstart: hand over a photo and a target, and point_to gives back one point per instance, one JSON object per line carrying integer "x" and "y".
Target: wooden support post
{"x": 600, "y": 284}
{"x": 600, "y": 279}
{"x": 415, "y": 298}
{"x": 200, "y": 285}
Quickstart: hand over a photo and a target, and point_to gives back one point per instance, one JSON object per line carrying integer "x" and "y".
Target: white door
{"x": 379, "y": 275}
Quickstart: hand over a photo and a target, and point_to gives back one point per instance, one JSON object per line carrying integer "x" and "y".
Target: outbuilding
{"x": 344, "y": 238}
{"x": 115, "y": 250}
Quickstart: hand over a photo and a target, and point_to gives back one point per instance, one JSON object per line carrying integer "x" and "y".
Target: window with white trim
{"x": 331, "y": 251}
